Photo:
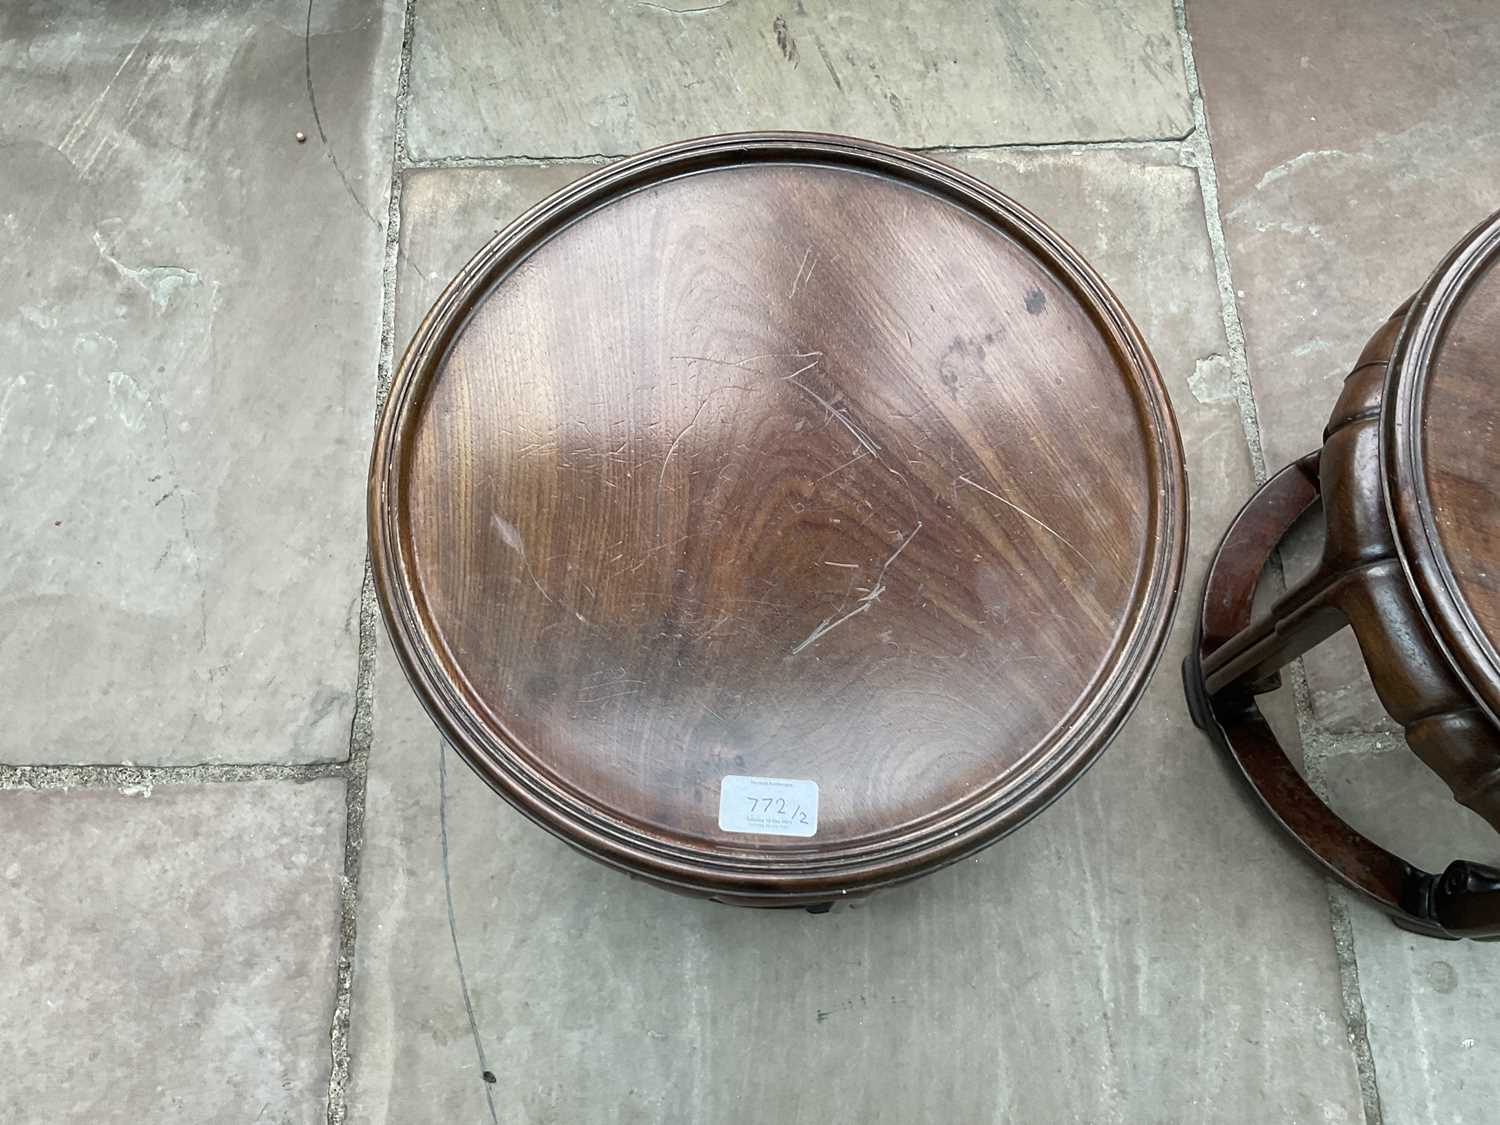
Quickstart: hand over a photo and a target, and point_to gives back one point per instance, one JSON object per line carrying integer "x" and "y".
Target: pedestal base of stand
{"x": 1465, "y": 900}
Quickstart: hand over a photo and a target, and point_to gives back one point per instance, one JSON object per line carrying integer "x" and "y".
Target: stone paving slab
{"x": 1354, "y": 146}
{"x": 190, "y": 328}
{"x": 562, "y": 80}
{"x": 168, "y": 955}
{"x": 1150, "y": 931}
{"x": 1433, "y": 1026}
{"x": 1353, "y": 149}
{"x": 1430, "y": 1011}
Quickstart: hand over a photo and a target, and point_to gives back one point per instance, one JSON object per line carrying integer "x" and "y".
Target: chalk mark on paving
{"x": 458, "y": 957}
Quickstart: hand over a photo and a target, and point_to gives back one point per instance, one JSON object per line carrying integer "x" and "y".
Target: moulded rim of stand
{"x": 1404, "y": 456}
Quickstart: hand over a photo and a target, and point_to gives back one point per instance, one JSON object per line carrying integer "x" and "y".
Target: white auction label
{"x": 769, "y": 806}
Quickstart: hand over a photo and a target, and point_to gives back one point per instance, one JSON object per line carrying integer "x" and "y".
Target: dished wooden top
{"x": 1442, "y": 441}
{"x": 779, "y": 456}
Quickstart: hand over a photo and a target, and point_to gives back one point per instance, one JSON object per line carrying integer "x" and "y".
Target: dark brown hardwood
{"x": 786, "y": 456}
{"x": 1442, "y": 446}
{"x": 1408, "y": 477}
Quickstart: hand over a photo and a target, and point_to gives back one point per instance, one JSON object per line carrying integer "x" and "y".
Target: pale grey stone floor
{"x": 238, "y": 879}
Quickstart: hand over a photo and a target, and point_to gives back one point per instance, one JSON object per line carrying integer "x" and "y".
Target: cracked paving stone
{"x": 610, "y": 80}
{"x": 1151, "y": 919}
{"x": 169, "y": 953}
{"x": 191, "y": 339}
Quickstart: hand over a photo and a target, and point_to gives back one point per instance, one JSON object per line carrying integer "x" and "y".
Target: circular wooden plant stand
{"x": 1407, "y": 478}
{"x": 777, "y": 517}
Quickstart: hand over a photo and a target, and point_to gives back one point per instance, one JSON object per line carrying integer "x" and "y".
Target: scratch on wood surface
{"x": 749, "y": 359}
{"x": 804, "y": 272}
{"x": 1040, "y": 523}
{"x": 509, "y": 535}
{"x": 710, "y": 633}
{"x": 806, "y": 367}
{"x": 842, "y": 467}
{"x": 535, "y": 581}
{"x": 512, "y": 539}
{"x": 834, "y": 412}
{"x": 800, "y": 267}
{"x": 711, "y": 359}
{"x": 829, "y": 624}
{"x": 647, "y": 556}
{"x": 671, "y": 449}
{"x": 879, "y": 587}
{"x": 871, "y": 596}
{"x": 614, "y": 694}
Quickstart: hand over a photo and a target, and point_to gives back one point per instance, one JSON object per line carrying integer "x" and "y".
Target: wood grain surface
{"x": 1443, "y": 456}
{"x": 1461, "y": 430}
{"x": 824, "y": 462}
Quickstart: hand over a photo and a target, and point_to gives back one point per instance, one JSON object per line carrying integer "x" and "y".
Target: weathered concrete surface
{"x": 1353, "y": 149}
{"x": 1150, "y": 929}
{"x": 549, "y": 79}
{"x": 168, "y": 956}
{"x": 189, "y": 327}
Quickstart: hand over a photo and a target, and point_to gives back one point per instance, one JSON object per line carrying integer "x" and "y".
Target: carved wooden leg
{"x": 1443, "y": 726}
{"x": 1411, "y": 676}
{"x": 1359, "y": 582}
